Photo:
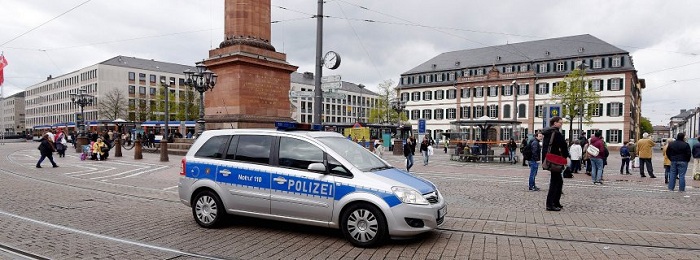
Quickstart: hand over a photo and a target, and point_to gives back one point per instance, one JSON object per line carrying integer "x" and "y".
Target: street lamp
{"x": 166, "y": 135}
{"x": 579, "y": 100}
{"x": 201, "y": 80}
{"x": 82, "y": 100}
{"x": 360, "y": 114}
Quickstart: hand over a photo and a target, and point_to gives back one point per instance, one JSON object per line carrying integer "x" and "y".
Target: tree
{"x": 645, "y": 126}
{"x": 159, "y": 108}
{"x": 113, "y": 105}
{"x": 573, "y": 95}
{"x": 383, "y": 111}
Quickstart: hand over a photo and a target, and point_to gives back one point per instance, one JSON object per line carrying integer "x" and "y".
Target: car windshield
{"x": 357, "y": 155}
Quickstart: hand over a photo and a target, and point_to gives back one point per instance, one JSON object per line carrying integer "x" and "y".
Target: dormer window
{"x": 546, "y": 53}
{"x": 617, "y": 62}
{"x": 498, "y": 58}
{"x": 580, "y": 50}
{"x": 434, "y": 66}
{"x": 457, "y": 63}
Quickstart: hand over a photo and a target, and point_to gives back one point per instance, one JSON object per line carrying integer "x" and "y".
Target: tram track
{"x": 15, "y": 253}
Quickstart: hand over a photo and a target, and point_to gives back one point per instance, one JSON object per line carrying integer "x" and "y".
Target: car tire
{"x": 208, "y": 210}
{"x": 364, "y": 225}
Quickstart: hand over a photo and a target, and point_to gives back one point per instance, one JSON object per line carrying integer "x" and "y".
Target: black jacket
{"x": 678, "y": 151}
{"x": 536, "y": 150}
{"x": 696, "y": 150}
{"x": 558, "y": 144}
{"x": 45, "y": 147}
{"x": 407, "y": 149}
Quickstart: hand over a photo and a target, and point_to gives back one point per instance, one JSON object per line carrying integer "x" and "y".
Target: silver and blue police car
{"x": 308, "y": 177}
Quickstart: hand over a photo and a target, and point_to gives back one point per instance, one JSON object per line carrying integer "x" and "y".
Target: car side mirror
{"x": 317, "y": 167}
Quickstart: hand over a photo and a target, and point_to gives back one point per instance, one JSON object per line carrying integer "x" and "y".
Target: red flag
{"x": 3, "y": 63}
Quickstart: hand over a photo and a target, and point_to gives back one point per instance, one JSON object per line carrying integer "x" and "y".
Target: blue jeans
{"x": 533, "y": 172}
{"x": 425, "y": 157}
{"x": 409, "y": 162}
{"x": 511, "y": 154}
{"x": 596, "y": 169}
{"x": 678, "y": 168}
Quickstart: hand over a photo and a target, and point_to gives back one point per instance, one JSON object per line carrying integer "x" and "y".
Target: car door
{"x": 245, "y": 172}
{"x": 297, "y": 192}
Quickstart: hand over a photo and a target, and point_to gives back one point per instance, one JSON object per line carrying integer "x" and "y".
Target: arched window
{"x": 521, "y": 111}
{"x": 506, "y": 111}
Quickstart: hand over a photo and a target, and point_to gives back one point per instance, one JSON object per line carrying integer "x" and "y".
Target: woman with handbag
{"x": 555, "y": 152}
{"x": 596, "y": 151}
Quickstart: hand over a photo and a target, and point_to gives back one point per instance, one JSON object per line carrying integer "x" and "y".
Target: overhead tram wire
{"x": 44, "y": 23}
{"x": 369, "y": 57}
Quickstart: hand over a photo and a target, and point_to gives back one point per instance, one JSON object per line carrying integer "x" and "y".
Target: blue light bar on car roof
{"x": 292, "y": 126}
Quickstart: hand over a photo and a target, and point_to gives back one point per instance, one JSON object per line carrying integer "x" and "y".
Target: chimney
{"x": 49, "y": 78}
{"x": 682, "y": 111}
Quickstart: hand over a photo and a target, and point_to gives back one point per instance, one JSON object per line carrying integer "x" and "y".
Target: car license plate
{"x": 442, "y": 212}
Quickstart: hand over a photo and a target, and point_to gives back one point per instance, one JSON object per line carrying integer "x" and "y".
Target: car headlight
{"x": 409, "y": 196}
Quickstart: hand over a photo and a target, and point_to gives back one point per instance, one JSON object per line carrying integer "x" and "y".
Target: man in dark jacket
{"x": 534, "y": 161}
{"x": 554, "y": 139}
{"x": 696, "y": 160}
{"x": 46, "y": 150}
{"x": 523, "y": 144}
{"x": 408, "y": 153}
{"x": 678, "y": 152}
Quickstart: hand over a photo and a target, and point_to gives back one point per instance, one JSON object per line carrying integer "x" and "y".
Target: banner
{"x": 3, "y": 63}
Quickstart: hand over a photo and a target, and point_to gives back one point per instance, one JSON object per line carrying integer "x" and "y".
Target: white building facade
{"x": 12, "y": 117}
{"x": 688, "y": 122}
{"x": 49, "y": 102}
{"x": 351, "y": 104}
{"x": 470, "y": 84}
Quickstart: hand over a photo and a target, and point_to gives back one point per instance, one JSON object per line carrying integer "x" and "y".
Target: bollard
{"x": 137, "y": 149}
{"x": 164, "y": 151}
{"x": 118, "y": 151}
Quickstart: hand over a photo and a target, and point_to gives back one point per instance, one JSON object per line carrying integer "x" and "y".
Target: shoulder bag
{"x": 553, "y": 162}
{"x": 592, "y": 150}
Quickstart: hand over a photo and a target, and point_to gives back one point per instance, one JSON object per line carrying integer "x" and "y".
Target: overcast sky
{"x": 662, "y": 36}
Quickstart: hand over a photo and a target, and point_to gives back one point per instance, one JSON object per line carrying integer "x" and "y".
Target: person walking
{"x": 536, "y": 150}
{"x": 424, "y": 150}
{"x": 553, "y": 142}
{"x": 596, "y": 159}
{"x": 512, "y": 146}
{"x": 632, "y": 147}
{"x": 46, "y": 150}
{"x": 447, "y": 144}
{"x": 408, "y": 153}
{"x": 523, "y": 146}
{"x": 667, "y": 162}
{"x": 696, "y": 160}
{"x": 644, "y": 148}
{"x": 679, "y": 153}
{"x": 576, "y": 156}
{"x": 625, "y": 155}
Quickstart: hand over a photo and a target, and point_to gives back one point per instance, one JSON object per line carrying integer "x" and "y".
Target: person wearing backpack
{"x": 625, "y": 154}
{"x": 532, "y": 152}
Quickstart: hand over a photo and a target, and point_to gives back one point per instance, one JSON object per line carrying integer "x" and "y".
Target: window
{"x": 577, "y": 64}
{"x": 522, "y": 113}
{"x": 451, "y": 93}
{"x": 509, "y": 69}
{"x": 615, "y": 109}
{"x": 523, "y": 68}
{"x": 466, "y": 111}
{"x": 415, "y": 114}
{"x": 132, "y": 103}
{"x": 560, "y": 66}
{"x": 335, "y": 167}
{"x": 507, "y": 90}
{"x": 543, "y": 68}
{"x": 616, "y": 62}
{"x": 415, "y": 96}
{"x": 153, "y": 91}
{"x": 153, "y": 78}
{"x": 597, "y": 85}
{"x": 439, "y": 94}
{"x": 506, "y": 111}
{"x": 479, "y": 92}
{"x": 493, "y": 111}
{"x": 427, "y": 114}
{"x": 479, "y": 72}
{"x": 465, "y": 92}
{"x": 538, "y": 111}
{"x": 253, "y": 148}
{"x": 298, "y": 154}
{"x": 542, "y": 88}
{"x": 142, "y": 76}
{"x": 132, "y": 89}
{"x": 493, "y": 91}
{"x": 142, "y": 90}
{"x": 597, "y": 63}
{"x": 132, "y": 76}
{"x": 404, "y": 97}
{"x": 522, "y": 89}
{"x": 427, "y": 95}
{"x": 478, "y": 111}
{"x": 439, "y": 114}
{"x": 451, "y": 113}
{"x": 615, "y": 84}
{"x": 597, "y": 109}
{"x": 614, "y": 136}
{"x": 212, "y": 147}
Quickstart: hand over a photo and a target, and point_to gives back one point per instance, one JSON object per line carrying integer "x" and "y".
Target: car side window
{"x": 337, "y": 168}
{"x": 295, "y": 153}
{"x": 231, "y": 152}
{"x": 253, "y": 148}
{"x": 212, "y": 147}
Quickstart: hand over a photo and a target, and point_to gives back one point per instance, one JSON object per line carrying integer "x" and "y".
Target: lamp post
{"x": 118, "y": 137}
{"x": 398, "y": 106}
{"x": 166, "y": 134}
{"x": 579, "y": 100}
{"x": 81, "y": 99}
{"x": 360, "y": 107}
{"x": 201, "y": 80}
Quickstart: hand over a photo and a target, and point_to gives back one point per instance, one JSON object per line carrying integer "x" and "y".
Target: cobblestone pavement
{"x": 128, "y": 209}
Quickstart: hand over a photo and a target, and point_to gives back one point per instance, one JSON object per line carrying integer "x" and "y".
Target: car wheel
{"x": 208, "y": 210}
{"x": 364, "y": 225}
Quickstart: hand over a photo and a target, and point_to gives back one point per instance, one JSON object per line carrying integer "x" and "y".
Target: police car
{"x": 307, "y": 177}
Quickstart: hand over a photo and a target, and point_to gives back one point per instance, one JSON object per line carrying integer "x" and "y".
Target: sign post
{"x": 550, "y": 110}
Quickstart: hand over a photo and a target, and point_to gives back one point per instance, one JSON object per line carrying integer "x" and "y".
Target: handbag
{"x": 553, "y": 162}
{"x": 592, "y": 150}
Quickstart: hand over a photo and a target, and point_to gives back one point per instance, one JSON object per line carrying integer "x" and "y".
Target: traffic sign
{"x": 331, "y": 78}
{"x": 421, "y": 126}
{"x": 334, "y": 95}
{"x": 296, "y": 94}
{"x": 331, "y": 85}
